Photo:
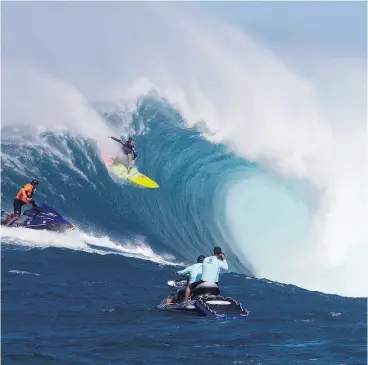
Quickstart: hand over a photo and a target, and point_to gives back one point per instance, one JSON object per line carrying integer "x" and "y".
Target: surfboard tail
{"x": 108, "y": 160}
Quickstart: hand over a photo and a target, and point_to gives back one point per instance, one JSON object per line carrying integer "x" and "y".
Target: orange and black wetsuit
{"x": 24, "y": 194}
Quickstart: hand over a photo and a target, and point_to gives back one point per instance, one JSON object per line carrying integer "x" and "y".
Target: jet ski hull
{"x": 205, "y": 301}
{"x": 40, "y": 218}
{"x": 221, "y": 307}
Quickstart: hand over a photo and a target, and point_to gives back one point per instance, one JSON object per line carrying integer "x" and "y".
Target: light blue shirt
{"x": 194, "y": 271}
{"x": 211, "y": 268}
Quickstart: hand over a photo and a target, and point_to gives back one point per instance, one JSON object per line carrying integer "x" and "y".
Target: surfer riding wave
{"x": 128, "y": 148}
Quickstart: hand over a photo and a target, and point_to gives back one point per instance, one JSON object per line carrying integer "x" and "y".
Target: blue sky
{"x": 97, "y": 38}
{"x": 322, "y": 24}
{"x": 331, "y": 24}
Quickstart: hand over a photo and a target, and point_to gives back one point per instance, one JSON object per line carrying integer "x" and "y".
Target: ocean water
{"x": 90, "y": 296}
{"x": 252, "y": 150}
{"x": 62, "y": 306}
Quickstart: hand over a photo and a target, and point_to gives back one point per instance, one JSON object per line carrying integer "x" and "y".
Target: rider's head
{"x": 217, "y": 251}
{"x": 34, "y": 182}
{"x": 200, "y": 258}
{"x": 131, "y": 141}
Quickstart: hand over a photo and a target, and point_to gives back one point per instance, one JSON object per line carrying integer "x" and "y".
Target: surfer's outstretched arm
{"x": 116, "y": 139}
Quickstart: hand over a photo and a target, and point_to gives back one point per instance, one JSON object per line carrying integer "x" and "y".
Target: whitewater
{"x": 259, "y": 150}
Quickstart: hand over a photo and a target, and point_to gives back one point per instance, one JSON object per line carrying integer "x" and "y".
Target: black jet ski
{"x": 205, "y": 300}
{"x": 39, "y": 217}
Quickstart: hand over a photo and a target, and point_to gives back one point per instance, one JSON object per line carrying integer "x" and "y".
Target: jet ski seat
{"x": 21, "y": 219}
{"x": 206, "y": 288}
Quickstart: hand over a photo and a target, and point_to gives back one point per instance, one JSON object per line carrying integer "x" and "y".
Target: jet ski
{"x": 40, "y": 217}
{"x": 205, "y": 300}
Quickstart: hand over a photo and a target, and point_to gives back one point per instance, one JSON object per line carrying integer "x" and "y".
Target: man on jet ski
{"x": 211, "y": 268}
{"x": 195, "y": 273}
{"x": 23, "y": 197}
{"x": 129, "y": 150}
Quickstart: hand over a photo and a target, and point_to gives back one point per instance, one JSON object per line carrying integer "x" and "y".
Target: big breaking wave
{"x": 294, "y": 216}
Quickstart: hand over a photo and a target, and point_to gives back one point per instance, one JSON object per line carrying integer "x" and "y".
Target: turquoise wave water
{"x": 208, "y": 196}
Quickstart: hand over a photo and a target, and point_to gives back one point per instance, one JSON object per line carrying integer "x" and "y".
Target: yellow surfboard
{"x": 134, "y": 175}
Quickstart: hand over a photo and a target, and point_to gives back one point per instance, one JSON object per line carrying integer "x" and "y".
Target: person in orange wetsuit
{"x": 23, "y": 197}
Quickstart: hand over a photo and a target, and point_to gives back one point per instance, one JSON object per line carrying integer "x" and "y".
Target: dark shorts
{"x": 18, "y": 207}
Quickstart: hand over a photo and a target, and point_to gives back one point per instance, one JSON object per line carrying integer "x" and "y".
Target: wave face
{"x": 182, "y": 218}
{"x": 250, "y": 154}
{"x": 208, "y": 195}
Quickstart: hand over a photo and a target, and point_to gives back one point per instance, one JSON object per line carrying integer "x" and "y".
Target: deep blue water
{"x": 90, "y": 297}
{"x": 70, "y": 307}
